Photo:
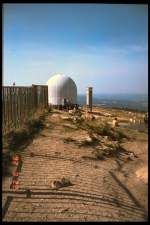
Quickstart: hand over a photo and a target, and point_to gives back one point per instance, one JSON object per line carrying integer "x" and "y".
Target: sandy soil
{"x": 115, "y": 189}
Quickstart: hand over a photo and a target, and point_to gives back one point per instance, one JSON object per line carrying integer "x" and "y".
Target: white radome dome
{"x": 61, "y": 87}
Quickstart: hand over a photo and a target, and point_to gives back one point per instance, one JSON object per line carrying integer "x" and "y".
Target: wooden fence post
{"x": 20, "y": 103}
{"x": 47, "y": 96}
{"x": 34, "y": 95}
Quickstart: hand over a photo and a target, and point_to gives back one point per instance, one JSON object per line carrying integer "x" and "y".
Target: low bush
{"x": 68, "y": 140}
{"x": 35, "y": 125}
{"x": 103, "y": 130}
{"x": 87, "y": 143}
{"x": 99, "y": 154}
{"x": 18, "y": 137}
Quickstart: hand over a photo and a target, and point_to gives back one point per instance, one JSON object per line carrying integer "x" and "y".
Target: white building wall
{"x": 60, "y": 87}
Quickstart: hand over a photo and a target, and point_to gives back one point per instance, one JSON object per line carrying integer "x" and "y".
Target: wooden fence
{"x": 20, "y": 104}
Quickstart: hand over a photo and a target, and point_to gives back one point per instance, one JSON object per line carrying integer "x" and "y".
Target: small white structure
{"x": 89, "y": 92}
{"x": 131, "y": 120}
{"x": 61, "y": 89}
{"x": 115, "y": 123}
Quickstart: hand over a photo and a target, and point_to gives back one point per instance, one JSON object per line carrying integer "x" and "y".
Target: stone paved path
{"x": 96, "y": 194}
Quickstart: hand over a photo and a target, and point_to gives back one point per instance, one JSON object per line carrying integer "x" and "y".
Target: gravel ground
{"x": 101, "y": 190}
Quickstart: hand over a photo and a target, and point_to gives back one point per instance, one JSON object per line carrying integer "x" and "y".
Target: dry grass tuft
{"x": 102, "y": 130}
{"x": 17, "y": 140}
{"x": 18, "y": 137}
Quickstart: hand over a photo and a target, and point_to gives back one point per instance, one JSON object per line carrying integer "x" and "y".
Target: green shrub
{"x": 34, "y": 125}
{"x": 17, "y": 138}
{"x": 68, "y": 140}
{"x": 102, "y": 130}
{"x": 99, "y": 154}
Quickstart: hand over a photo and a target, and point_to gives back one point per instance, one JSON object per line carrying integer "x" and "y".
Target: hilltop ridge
{"x": 104, "y": 170}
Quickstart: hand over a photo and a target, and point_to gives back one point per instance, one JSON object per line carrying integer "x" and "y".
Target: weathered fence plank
{"x": 20, "y": 104}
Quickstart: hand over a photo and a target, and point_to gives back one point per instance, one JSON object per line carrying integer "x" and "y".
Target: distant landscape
{"x": 123, "y": 101}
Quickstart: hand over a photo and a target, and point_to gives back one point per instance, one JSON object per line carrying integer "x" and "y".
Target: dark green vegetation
{"x": 68, "y": 129}
{"x": 16, "y": 141}
{"x": 109, "y": 147}
{"x": 99, "y": 154}
{"x": 94, "y": 142}
{"x": 102, "y": 130}
{"x": 135, "y": 134}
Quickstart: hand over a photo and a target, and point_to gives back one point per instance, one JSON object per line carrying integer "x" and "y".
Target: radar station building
{"x": 62, "y": 92}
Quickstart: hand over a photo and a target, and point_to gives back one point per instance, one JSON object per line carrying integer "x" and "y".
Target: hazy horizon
{"x": 100, "y": 45}
{"x": 128, "y": 101}
{"x": 115, "y": 93}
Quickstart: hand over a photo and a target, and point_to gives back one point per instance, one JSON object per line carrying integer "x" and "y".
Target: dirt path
{"x": 97, "y": 193}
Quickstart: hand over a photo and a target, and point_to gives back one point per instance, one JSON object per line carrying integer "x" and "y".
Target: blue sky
{"x": 99, "y": 45}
